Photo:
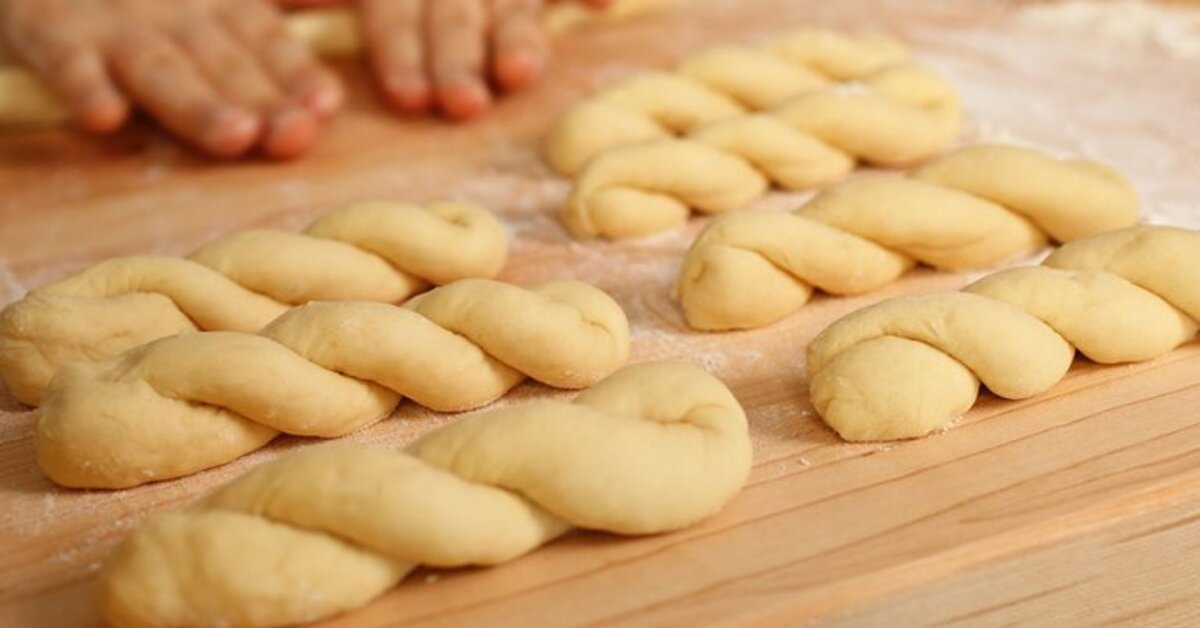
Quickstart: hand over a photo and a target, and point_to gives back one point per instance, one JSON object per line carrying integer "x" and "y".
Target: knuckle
{"x": 456, "y": 15}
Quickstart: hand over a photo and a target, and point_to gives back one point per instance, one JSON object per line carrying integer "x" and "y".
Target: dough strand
{"x": 186, "y": 403}
{"x": 654, "y": 448}
{"x": 377, "y": 251}
{"x": 972, "y": 208}
{"x": 911, "y": 365}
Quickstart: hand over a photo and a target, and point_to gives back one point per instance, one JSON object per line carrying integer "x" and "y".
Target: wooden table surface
{"x": 1079, "y": 506}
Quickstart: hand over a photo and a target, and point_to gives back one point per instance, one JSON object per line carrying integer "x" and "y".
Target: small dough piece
{"x": 626, "y": 198}
{"x": 751, "y": 269}
{"x": 374, "y": 251}
{"x": 908, "y": 366}
{"x": 655, "y": 447}
{"x": 194, "y": 401}
{"x": 810, "y": 129}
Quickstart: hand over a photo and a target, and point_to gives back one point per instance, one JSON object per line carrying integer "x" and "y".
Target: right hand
{"x": 223, "y": 75}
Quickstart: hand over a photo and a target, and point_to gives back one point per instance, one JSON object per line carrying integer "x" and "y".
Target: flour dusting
{"x": 1123, "y": 22}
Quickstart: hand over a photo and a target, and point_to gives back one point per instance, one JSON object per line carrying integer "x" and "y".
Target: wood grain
{"x": 1079, "y": 506}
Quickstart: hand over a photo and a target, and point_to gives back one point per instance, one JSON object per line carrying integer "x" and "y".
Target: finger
{"x": 292, "y": 66}
{"x": 519, "y": 42}
{"x": 393, "y": 32}
{"x": 306, "y": 4}
{"x": 61, "y": 51}
{"x": 458, "y": 49}
{"x": 76, "y": 73}
{"x": 161, "y": 79}
{"x": 599, "y": 4}
{"x": 290, "y": 128}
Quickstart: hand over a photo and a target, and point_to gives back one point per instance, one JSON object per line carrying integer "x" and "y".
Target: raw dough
{"x": 974, "y": 207}
{"x": 379, "y": 251}
{"x": 721, "y": 84}
{"x": 333, "y": 32}
{"x": 653, "y": 448}
{"x": 909, "y": 366}
{"x": 636, "y": 178}
{"x": 186, "y": 403}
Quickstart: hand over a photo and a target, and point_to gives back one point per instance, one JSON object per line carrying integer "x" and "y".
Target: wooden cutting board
{"x": 1078, "y": 506}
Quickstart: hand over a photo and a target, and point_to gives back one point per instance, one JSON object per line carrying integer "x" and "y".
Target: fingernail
{"x": 323, "y": 100}
{"x": 290, "y": 133}
{"x": 102, "y": 113}
{"x": 518, "y": 69}
{"x": 466, "y": 100}
{"x": 231, "y": 131}
{"x": 408, "y": 93}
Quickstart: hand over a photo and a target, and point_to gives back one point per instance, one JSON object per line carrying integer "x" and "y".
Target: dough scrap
{"x": 748, "y": 118}
{"x": 653, "y": 448}
{"x": 186, "y": 403}
{"x": 974, "y": 207}
{"x": 376, "y": 251}
{"x": 908, "y": 366}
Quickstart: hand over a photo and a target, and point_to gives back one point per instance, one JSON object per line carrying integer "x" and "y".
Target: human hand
{"x": 454, "y": 54}
{"x": 222, "y": 74}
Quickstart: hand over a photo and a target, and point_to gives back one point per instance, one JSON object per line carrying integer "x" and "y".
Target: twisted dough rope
{"x": 633, "y": 183}
{"x": 379, "y": 251}
{"x": 716, "y": 84}
{"x": 653, "y": 448}
{"x": 974, "y": 207}
{"x": 333, "y": 32}
{"x": 909, "y": 366}
{"x": 193, "y": 401}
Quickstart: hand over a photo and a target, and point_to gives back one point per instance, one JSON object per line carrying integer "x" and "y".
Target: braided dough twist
{"x": 974, "y": 207}
{"x": 718, "y": 84}
{"x": 186, "y": 403}
{"x": 633, "y": 182}
{"x": 909, "y": 366}
{"x": 653, "y": 448}
{"x": 378, "y": 251}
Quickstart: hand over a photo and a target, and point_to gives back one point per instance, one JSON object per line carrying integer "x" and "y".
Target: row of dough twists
{"x": 653, "y": 448}
{"x": 377, "y": 251}
{"x": 975, "y": 207}
{"x": 193, "y": 401}
{"x": 910, "y": 365}
{"x": 824, "y": 102}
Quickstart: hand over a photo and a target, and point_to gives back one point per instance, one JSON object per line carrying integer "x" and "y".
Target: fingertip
{"x": 323, "y": 99}
{"x": 290, "y": 133}
{"x": 408, "y": 94}
{"x": 464, "y": 101}
{"x": 518, "y": 69}
{"x": 230, "y": 132}
{"x": 102, "y": 114}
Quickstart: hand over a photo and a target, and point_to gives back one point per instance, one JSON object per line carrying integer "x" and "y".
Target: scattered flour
{"x": 1126, "y": 22}
{"x": 11, "y": 288}
{"x": 1176, "y": 214}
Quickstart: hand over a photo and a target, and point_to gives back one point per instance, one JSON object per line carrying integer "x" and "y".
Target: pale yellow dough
{"x": 974, "y": 207}
{"x": 653, "y": 448}
{"x": 825, "y": 101}
{"x": 333, "y": 32}
{"x": 379, "y": 251}
{"x": 186, "y": 403}
{"x": 909, "y": 366}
